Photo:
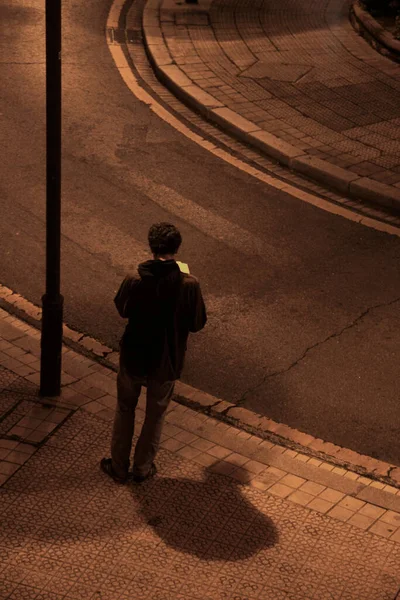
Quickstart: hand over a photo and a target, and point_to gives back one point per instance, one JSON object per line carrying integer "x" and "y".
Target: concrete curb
{"x": 378, "y": 37}
{"x": 199, "y": 401}
{"x": 170, "y": 75}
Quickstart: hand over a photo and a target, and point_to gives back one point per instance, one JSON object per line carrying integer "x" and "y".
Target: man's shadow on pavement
{"x": 210, "y": 519}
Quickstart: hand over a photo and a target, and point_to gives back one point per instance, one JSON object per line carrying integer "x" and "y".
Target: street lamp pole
{"x": 52, "y": 301}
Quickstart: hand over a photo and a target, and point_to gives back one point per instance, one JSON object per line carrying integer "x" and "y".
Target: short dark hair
{"x": 164, "y": 238}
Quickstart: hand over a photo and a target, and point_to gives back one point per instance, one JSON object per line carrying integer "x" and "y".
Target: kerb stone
{"x": 229, "y": 118}
{"x": 282, "y": 151}
{"x": 376, "y": 192}
{"x": 325, "y": 172}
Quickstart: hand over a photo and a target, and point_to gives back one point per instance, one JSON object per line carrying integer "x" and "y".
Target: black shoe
{"x": 142, "y": 478}
{"x": 106, "y": 467}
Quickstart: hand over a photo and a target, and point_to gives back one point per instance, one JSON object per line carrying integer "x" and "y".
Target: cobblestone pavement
{"x": 295, "y": 69}
{"x": 228, "y": 515}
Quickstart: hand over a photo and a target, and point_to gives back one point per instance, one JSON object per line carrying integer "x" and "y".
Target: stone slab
{"x": 159, "y": 55}
{"x": 176, "y": 75}
{"x": 282, "y": 151}
{"x": 151, "y": 18}
{"x": 154, "y": 34}
{"x": 201, "y": 99}
{"x": 325, "y": 172}
{"x": 226, "y": 117}
{"x": 380, "y": 498}
{"x": 376, "y": 192}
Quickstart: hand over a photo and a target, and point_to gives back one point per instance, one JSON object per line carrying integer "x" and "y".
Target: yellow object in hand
{"x": 183, "y": 267}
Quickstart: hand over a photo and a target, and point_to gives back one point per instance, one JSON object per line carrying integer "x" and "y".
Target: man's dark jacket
{"x": 163, "y": 305}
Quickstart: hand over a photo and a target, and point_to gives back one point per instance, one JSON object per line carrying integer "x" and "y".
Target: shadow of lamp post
{"x": 52, "y": 301}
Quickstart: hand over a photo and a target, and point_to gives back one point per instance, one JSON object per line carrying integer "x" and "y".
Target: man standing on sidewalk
{"x": 163, "y": 305}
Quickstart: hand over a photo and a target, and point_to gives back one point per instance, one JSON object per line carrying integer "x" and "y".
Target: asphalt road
{"x": 303, "y": 305}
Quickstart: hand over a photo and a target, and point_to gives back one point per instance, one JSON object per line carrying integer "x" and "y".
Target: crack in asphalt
{"x": 241, "y": 400}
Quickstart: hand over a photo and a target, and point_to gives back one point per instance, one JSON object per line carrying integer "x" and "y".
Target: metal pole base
{"x": 51, "y": 346}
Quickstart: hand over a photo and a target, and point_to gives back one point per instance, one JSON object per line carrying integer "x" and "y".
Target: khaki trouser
{"x": 157, "y": 400}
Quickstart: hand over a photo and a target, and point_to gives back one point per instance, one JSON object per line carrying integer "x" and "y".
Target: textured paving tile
{"x": 206, "y": 527}
{"x": 299, "y": 71}
{"x": 188, "y": 533}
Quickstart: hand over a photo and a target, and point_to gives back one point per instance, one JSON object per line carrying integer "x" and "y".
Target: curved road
{"x": 303, "y": 305}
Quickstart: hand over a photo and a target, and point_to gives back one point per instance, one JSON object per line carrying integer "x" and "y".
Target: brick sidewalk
{"x": 228, "y": 516}
{"x": 292, "y": 78}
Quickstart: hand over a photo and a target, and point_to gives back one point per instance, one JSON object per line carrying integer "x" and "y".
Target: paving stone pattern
{"x": 25, "y": 423}
{"x": 188, "y": 534}
{"x": 147, "y": 78}
{"x": 228, "y": 515}
{"x": 298, "y": 70}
